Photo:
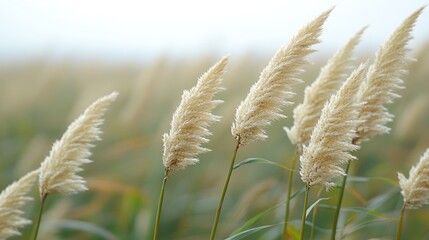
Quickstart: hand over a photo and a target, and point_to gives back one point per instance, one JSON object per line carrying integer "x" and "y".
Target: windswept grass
{"x": 124, "y": 179}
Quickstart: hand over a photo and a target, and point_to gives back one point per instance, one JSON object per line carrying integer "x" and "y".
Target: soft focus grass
{"x": 39, "y": 98}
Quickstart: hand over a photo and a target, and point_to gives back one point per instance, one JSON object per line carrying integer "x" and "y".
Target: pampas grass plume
{"x": 12, "y": 199}
{"x": 415, "y": 189}
{"x": 58, "y": 172}
{"x": 331, "y": 76}
{"x": 272, "y": 91}
{"x": 383, "y": 79}
{"x": 191, "y": 119}
{"x": 331, "y": 141}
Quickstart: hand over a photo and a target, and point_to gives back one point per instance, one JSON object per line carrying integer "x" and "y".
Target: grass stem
{"x": 158, "y": 213}
{"x": 401, "y": 219}
{"x": 339, "y": 203}
{"x": 304, "y": 212}
{"x": 289, "y": 194}
{"x": 219, "y": 207}
{"x": 39, "y": 217}
{"x": 314, "y": 214}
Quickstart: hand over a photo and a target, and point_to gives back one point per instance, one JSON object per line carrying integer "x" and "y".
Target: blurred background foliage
{"x": 40, "y": 97}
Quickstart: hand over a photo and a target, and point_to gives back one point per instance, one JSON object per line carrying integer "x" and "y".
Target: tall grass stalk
{"x": 225, "y": 187}
{"x": 158, "y": 212}
{"x": 39, "y": 217}
{"x": 289, "y": 192}
{"x": 339, "y": 203}
{"x": 304, "y": 212}
{"x": 401, "y": 219}
{"x": 313, "y": 218}
{"x": 189, "y": 126}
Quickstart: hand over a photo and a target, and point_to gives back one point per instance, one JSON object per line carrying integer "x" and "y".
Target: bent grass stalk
{"x": 225, "y": 187}
{"x": 339, "y": 203}
{"x": 58, "y": 171}
{"x": 313, "y": 220}
{"x": 304, "y": 212}
{"x": 400, "y": 223}
{"x": 39, "y": 217}
{"x": 289, "y": 193}
{"x": 158, "y": 212}
{"x": 189, "y": 127}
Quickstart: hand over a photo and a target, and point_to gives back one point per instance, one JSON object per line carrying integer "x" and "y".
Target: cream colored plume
{"x": 331, "y": 76}
{"x": 331, "y": 141}
{"x": 383, "y": 80}
{"x": 14, "y": 197}
{"x": 272, "y": 91}
{"x": 58, "y": 172}
{"x": 191, "y": 119}
{"x": 415, "y": 189}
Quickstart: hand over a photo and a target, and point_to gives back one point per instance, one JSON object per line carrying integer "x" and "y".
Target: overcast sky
{"x": 130, "y": 29}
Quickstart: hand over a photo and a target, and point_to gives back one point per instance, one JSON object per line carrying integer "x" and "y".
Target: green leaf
{"x": 84, "y": 227}
{"x": 300, "y": 191}
{"x": 367, "y": 179}
{"x": 255, "y": 219}
{"x": 260, "y": 160}
{"x": 251, "y": 231}
{"x": 366, "y": 211}
{"x": 352, "y": 229}
{"x": 313, "y": 205}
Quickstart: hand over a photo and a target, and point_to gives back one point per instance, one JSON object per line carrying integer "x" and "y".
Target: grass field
{"x": 39, "y": 98}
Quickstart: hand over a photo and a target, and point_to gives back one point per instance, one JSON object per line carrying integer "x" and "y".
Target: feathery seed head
{"x": 383, "y": 80}
{"x": 58, "y": 172}
{"x": 191, "y": 119}
{"x": 331, "y": 141}
{"x": 272, "y": 91}
{"x": 415, "y": 189}
{"x": 12, "y": 199}
{"x": 331, "y": 76}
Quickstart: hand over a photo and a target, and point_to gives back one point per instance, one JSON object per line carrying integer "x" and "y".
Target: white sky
{"x": 130, "y": 29}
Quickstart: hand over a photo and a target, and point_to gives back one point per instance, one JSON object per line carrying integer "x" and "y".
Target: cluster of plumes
{"x": 415, "y": 189}
{"x": 12, "y": 199}
{"x": 339, "y": 131}
{"x": 383, "y": 79}
{"x": 272, "y": 91}
{"x": 58, "y": 172}
{"x": 331, "y": 76}
{"x": 331, "y": 141}
{"x": 191, "y": 119}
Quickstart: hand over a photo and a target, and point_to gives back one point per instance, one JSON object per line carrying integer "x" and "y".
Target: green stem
{"x": 401, "y": 219}
{"x": 39, "y": 217}
{"x": 304, "y": 212}
{"x": 340, "y": 201}
{"x": 289, "y": 194}
{"x": 158, "y": 213}
{"x": 219, "y": 207}
{"x": 313, "y": 219}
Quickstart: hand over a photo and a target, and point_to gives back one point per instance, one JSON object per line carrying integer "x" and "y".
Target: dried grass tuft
{"x": 331, "y": 141}
{"x": 272, "y": 91}
{"x": 58, "y": 172}
{"x": 14, "y": 197}
{"x": 191, "y": 119}
{"x": 383, "y": 80}
{"x": 415, "y": 189}
{"x": 331, "y": 76}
